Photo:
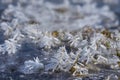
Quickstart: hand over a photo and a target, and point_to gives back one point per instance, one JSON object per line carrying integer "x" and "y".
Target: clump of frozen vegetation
{"x": 73, "y": 36}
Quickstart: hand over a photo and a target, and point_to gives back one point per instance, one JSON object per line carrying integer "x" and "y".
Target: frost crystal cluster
{"x": 43, "y": 37}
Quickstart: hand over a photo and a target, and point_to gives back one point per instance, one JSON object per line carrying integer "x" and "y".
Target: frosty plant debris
{"x": 73, "y": 54}
{"x": 67, "y": 38}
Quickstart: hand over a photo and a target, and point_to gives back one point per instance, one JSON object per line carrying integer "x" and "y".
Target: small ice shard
{"x": 101, "y": 60}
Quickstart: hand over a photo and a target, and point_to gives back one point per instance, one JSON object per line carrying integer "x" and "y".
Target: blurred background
{"x": 87, "y": 8}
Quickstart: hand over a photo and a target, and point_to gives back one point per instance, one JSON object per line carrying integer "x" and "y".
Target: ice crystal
{"x": 32, "y": 66}
{"x": 61, "y": 60}
{"x": 10, "y": 46}
{"x": 6, "y": 28}
{"x": 48, "y": 41}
